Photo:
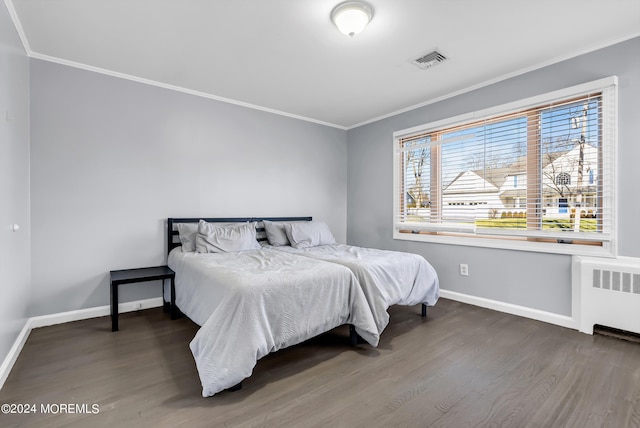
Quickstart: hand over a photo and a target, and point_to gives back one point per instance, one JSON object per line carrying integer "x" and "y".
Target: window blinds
{"x": 542, "y": 171}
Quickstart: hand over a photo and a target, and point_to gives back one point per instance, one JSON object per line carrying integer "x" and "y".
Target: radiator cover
{"x": 609, "y": 292}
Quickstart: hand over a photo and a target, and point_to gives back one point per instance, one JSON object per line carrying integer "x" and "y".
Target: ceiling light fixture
{"x": 351, "y": 17}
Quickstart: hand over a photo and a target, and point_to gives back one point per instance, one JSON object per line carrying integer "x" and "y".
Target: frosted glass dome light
{"x": 351, "y": 17}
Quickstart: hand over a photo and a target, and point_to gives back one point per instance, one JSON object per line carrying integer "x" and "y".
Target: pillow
{"x": 212, "y": 238}
{"x": 188, "y": 232}
{"x": 276, "y": 234}
{"x": 309, "y": 234}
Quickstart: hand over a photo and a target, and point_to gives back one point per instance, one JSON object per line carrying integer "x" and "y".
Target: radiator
{"x": 609, "y": 292}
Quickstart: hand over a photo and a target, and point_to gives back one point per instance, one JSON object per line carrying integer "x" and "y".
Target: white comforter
{"x": 387, "y": 277}
{"x": 251, "y": 303}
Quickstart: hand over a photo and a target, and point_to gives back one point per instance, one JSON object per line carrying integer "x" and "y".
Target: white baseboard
{"x": 63, "y": 317}
{"x": 100, "y": 311}
{"x": 522, "y": 311}
{"x": 12, "y": 357}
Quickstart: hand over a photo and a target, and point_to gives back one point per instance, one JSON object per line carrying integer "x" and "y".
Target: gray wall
{"x": 534, "y": 280}
{"x": 14, "y": 184}
{"x": 111, "y": 159}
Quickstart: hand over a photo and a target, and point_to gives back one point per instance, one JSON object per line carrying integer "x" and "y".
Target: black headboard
{"x": 172, "y": 231}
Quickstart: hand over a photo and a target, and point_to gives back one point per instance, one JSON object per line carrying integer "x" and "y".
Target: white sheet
{"x": 387, "y": 277}
{"x": 251, "y": 303}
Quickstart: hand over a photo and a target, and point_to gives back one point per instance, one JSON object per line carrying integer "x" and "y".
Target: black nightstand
{"x": 130, "y": 276}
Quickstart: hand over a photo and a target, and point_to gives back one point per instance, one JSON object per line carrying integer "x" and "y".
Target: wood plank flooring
{"x": 462, "y": 366}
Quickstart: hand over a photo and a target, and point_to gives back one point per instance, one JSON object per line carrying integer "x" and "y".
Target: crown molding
{"x": 16, "y": 22}
{"x": 525, "y": 70}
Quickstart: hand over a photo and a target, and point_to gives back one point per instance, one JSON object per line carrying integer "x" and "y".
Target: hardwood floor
{"x": 462, "y": 366}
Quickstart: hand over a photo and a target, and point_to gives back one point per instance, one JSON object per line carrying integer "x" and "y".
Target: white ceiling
{"x": 287, "y": 56}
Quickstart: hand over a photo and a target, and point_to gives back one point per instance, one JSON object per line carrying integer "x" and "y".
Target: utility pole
{"x": 583, "y": 138}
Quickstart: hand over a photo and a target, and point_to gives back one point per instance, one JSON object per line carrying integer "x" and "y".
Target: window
{"x": 536, "y": 175}
{"x": 563, "y": 179}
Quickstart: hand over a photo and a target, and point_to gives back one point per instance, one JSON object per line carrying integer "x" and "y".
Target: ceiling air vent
{"x": 429, "y": 60}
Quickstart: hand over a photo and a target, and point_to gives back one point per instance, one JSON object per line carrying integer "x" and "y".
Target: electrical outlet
{"x": 464, "y": 269}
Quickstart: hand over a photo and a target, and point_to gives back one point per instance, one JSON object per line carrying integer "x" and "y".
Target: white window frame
{"x": 609, "y": 87}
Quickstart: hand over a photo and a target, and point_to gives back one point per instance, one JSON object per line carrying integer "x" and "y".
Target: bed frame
{"x": 173, "y": 241}
{"x": 172, "y": 231}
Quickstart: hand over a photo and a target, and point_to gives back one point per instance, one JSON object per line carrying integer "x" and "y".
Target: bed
{"x": 256, "y": 300}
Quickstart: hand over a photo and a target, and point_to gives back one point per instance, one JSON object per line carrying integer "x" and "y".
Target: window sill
{"x": 509, "y": 244}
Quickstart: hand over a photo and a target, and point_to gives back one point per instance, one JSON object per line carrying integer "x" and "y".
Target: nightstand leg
{"x": 166, "y": 305}
{"x": 114, "y": 307}
{"x": 173, "y": 312}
